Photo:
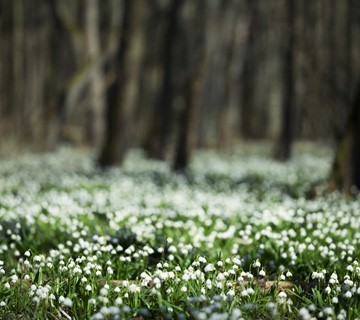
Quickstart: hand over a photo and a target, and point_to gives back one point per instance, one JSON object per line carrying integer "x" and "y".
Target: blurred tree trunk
{"x": 187, "y": 123}
{"x": 229, "y": 17}
{"x": 160, "y": 127}
{"x": 192, "y": 43}
{"x": 248, "y": 77}
{"x": 37, "y": 35}
{"x": 122, "y": 93}
{"x": 346, "y": 167}
{"x": 257, "y": 75}
{"x": 285, "y": 140}
{"x": 18, "y": 65}
{"x": 55, "y": 77}
{"x": 95, "y": 105}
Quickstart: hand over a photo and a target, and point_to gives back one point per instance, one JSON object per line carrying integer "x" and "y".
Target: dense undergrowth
{"x": 236, "y": 237}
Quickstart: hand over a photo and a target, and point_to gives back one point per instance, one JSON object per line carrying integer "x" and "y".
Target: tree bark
{"x": 194, "y": 55}
{"x": 122, "y": 93}
{"x": 95, "y": 106}
{"x": 285, "y": 140}
{"x": 160, "y": 128}
{"x": 346, "y": 167}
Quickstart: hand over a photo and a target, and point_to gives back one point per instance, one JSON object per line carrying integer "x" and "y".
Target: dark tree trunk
{"x": 249, "y": 72}
{"x": 187, "y": 127}
{"x": 161, "y": 123}
{"x": 122, "y": 93}
{"x": 192, "y": 44}
{"x": 346, "y": 167}
{"x": 285, "y": 140}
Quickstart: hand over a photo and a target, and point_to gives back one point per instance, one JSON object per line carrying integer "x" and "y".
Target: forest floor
{"x": 236, "y": 237}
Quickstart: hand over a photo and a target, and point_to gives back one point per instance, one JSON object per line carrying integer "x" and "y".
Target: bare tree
{"x": 193, "y": 55}
{"x": 95, "y": 105}
{"x": 122, "y": 93}
{"x": 284, "y": 143}
{"x": 346, "y": 167}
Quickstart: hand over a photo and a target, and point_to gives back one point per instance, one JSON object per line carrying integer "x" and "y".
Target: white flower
{"x": 220, "y": 277}
{"x": 27, "y": 253}
{"x": 262, "y": 273}
{"x": 68, "y": 302}
{"x": 134, "y": 288}
{"x": 329, "y": 311}
{"x": 244, "y": 293}
{"x": 231, "y": 293}
{"x": 88, "y": 288}
{"x": 304, "y": 314}
{"x": 208, "y": 284}
{"x": 104, "y": 291}
{"x": 350, "y": 268}
{"x": 172, "y": 249}
{"x": 14, "y": 278}
{"x": 311, "y": 247}
{"x": 348, "y": 294}
{"x": 257, "y": 264}
{"x": 209, "y": 267}
{"x": 202, "y": 260}
{"x": 185, "y": 277}
{"x": 250, "y": 291}
{"x": 183, "y": 289}
{"x": 281, "y": 298}
{"x": 37, "y": 258}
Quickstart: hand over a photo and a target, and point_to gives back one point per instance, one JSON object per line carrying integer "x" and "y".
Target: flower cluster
{"x": 234, "y": 239}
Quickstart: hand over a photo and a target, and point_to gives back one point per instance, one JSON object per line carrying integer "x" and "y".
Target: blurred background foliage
{"x": 170, "y": 76}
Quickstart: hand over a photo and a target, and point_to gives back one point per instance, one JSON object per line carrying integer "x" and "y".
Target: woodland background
{"x": 171, "y": 76}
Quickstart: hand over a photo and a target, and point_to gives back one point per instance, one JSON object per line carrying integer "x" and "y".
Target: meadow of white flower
{"x": 235, "y": 238}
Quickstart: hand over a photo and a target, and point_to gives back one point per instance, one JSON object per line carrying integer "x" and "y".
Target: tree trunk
{"x": 249, "y": 72}
{"x": 160, "y": 128}
{"x": 95, "y": 106}
{"x": 284, "y": 143}
{"x": 18, "y": 66}
{"x": 122, "y": 93}
{"x": 229, "y": 17}
{"x": 346, "y": 167}
{"x": 187, "y": 120}
{"x": 192, "y": 43}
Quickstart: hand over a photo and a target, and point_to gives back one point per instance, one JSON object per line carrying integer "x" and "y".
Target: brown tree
{"x": 346, "y": 167}
{"x": 160, "y": 127}
{"x": 284, "y": 143}
{"x": 192, "y": 46}
{"x": 122, "y": 93}
{"x": 95, "y": 105}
